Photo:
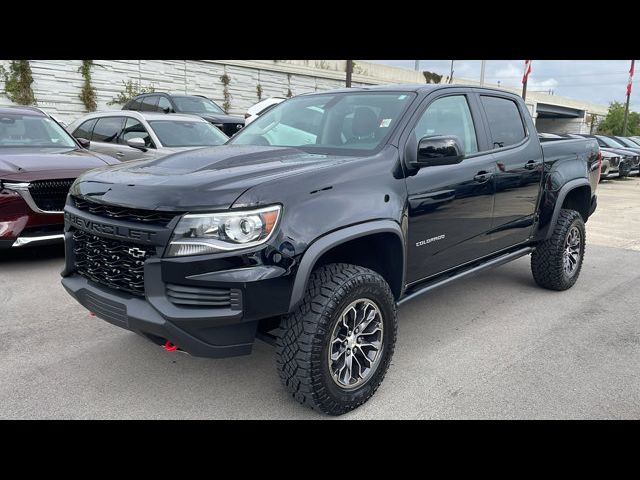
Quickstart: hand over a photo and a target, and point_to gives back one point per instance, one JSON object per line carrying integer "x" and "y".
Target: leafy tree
{"x": 614, "y": 121}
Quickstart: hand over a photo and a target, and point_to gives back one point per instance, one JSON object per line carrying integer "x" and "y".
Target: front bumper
{"x": 261, "y": 289}
{"x": 21, "y": 226}
{"x": 203, "y": 337}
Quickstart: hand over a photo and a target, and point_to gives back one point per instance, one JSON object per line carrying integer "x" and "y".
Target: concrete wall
{"x": 57, "y": 83}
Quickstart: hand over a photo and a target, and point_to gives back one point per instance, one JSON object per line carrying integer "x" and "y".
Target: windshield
{"x": 609, "y": 142}
{"x": 626, "y": 142}
{"x": 347, "y": 122}
{"x": 196, "y": 105}
{"x": 18, "y": 130}
{"x": 174, "y": 133}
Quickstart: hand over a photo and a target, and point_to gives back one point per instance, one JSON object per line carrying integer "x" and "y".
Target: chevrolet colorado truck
{"x": 312, "y": 224}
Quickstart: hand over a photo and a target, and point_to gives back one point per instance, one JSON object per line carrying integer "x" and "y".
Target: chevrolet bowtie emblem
{"x": 136, "y": 252}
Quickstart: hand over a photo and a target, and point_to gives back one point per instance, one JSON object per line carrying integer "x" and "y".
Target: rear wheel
{"x": 556, "y": 262}
{"x": 334, "y": 350}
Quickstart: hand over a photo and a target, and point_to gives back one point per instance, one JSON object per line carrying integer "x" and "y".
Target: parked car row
{"x": 620, "y": 155}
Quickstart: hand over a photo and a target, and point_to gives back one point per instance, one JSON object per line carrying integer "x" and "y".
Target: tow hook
{"x": 170, "y": 346}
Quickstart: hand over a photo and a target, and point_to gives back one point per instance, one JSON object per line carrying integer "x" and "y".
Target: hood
{"x": 220, "y": 118}
{"x": 28, "y": 164}
{"x": 197, "y": 180}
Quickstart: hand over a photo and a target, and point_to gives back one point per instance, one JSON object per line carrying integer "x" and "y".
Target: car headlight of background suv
{"x": 201, "y": 233}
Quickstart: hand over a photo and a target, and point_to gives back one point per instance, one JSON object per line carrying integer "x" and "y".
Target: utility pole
{"x": 417, "y": 65}
{"x": 349, "y": 72}
{"x": 482, "y": 65}
{"x": 451, "y": 73}
{"x": 626, "y": 108}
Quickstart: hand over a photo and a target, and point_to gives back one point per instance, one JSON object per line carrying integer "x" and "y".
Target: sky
{"x": 597, "y": 81}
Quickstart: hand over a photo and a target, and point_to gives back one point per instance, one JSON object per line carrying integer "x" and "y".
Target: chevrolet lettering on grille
{"x": 113, "y": 230}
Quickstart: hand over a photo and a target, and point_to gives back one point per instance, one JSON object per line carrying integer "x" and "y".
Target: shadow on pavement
{"x": 31, "y": 254}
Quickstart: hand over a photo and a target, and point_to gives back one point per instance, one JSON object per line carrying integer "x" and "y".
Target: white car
{"x": 130, "y": 135}
{"x": 260, "y": 108}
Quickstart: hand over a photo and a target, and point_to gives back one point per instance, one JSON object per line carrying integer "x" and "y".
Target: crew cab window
{"x": 149, "y": 103}
{"x": 164, "y": 105}
{"x": 449, "y": 116}
{"x": 134, "y": 129}
{"x": 107, "y": 129}
{"x": 505, "y": 122}
{"x": 85, "y": 130}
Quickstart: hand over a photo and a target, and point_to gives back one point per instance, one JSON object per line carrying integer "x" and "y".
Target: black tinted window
{"x": 504, "y": 119}
{"x": 107, "y": 129}
{"x": 135, "y": 104}
{"x": 84, "y": 130}
{"x": 449, "y": 116}
{"x": 164, "y": 105}
{"x": 149, "y": 103}
{"x": 134, "y": 129}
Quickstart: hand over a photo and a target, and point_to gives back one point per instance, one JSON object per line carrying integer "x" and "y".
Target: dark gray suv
{"x": 192, "y": 104}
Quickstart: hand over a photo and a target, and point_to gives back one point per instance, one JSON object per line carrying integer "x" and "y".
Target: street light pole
{"x": 417, "y": 65}
{"x": 482, "y": 65}
{"x": 626, "y": 108}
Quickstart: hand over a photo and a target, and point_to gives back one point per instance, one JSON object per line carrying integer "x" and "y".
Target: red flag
{"x": 527, "y": 71}
{"x": 630, "y": 78}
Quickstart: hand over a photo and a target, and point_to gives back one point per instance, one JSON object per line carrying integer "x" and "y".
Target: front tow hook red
{"x": 170, "y": 346}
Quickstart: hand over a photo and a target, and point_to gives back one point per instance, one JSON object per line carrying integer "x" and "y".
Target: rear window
{"x": 505, "y": 122}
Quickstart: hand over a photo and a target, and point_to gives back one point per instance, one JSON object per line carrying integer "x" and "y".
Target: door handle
{"x": 120, "y": 154}
{"x": 531, "y": 164}
{"x": 482, "y": 176}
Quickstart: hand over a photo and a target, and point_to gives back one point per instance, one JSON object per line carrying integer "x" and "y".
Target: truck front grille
{"x": 122, "y": 213}
{"x": 50, "y": 195}
{"x": 204, "y": 296}
{"x": 113, "y": 263}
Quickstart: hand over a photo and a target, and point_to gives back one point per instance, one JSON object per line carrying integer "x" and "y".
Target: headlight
{"x": 200, "y": 233}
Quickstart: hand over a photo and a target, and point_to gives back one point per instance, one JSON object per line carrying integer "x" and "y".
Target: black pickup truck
{"x": 311, "y": 225}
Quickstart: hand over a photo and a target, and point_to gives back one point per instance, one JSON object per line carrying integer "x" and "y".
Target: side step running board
{"x": 485, "y": 266}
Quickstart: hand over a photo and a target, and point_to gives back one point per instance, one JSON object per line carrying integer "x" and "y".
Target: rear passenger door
{"x": 149, "y": 103}
{"x": 105, "y": 136}
{"x": 518, "y": 155}
{"x": 450, "y": 206}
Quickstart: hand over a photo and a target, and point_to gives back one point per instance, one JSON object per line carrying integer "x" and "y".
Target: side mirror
{"x": 138, "y": 143}
{"x": 436, "y": 150}
{"x": 84, "y": 143}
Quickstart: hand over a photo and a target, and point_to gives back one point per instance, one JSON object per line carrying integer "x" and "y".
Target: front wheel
{"x": 556, "y": 262}
{"x": 335, "y": 348}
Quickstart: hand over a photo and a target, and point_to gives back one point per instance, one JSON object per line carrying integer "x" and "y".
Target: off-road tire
{"x": 547, "y": 259}
{"x": 304, "y": 335}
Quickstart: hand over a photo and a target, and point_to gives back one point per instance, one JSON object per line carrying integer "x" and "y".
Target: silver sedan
{"x": 129, "y": 135}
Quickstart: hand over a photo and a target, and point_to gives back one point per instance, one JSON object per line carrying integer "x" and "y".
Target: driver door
{"x": 134, "y": 129}
{"x": 450, "y": 206}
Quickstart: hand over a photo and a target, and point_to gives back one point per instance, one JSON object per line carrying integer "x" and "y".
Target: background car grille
{"x": 113, "y": 263}
{"x": 50, "y": 195}
{"x": 122, "y": 213}
{"x": 203, "y": 296}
